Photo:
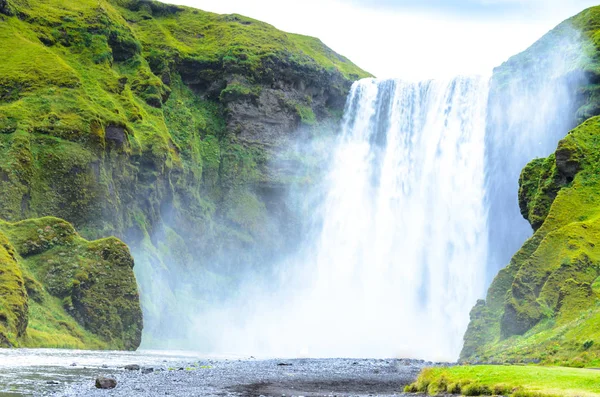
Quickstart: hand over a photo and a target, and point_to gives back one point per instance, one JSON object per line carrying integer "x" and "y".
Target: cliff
{"x": 545, "y": 305}
{"x": 161, "y": 125}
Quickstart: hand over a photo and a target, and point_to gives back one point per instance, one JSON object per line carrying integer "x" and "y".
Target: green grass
{"x": 241, "y": 43}
{"x": 517, "y": 381}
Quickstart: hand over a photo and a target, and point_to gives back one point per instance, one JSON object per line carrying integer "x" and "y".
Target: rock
{"x": 5, "y": 8}
{"x": 105, "y": 383}
{"x": 53, "y": 382}
{"x": 284, "y": 364}
{"x": 74, "y": 365}
{"x": 132, "y": 367}
{"x": 115, "y": 135}
{"x": 147, "y": 370}
{"x": 104, "y": 366}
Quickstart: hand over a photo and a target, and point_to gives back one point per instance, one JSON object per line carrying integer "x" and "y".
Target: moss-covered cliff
{"x": 545, "y": 305}
{"x": 159, "y": 124}
{"x": 59, "y": 290}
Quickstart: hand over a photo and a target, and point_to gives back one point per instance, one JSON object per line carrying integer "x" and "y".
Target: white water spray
{"x": 396, "y": 257}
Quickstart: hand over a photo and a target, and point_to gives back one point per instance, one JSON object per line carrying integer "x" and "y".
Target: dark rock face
{"x": 123, "y": 47}
{"x": 568, "y": 159}
{"x": 105, "y": 383}
{"x": 269, "y": 108}
{"x": 264, "y": 119}
{"x": 132, "y": 367}
{"x": 115, "y": 135}
{"x": 279, "y": 110}
{"x": 5, "y": 8}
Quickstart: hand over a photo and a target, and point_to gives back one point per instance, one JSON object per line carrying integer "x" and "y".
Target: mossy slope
{"x": 63, "y": 291}
{"x": 13, "y": 297}
{"x": 545, "y": 306}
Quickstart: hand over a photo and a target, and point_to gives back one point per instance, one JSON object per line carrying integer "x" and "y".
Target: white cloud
{"x": 407, "y": 44}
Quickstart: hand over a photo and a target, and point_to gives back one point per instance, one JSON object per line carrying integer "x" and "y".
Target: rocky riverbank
{"x": 252, "y": 377}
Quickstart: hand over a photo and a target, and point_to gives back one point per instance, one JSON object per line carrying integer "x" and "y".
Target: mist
{"x": 387, "y": 229}
{"x": 534, "y": 103}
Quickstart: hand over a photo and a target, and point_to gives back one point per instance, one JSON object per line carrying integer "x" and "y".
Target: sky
{"x": 412, "y": 39}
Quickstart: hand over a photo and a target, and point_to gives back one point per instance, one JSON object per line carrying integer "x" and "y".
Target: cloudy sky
{"x": 412, "y": 39}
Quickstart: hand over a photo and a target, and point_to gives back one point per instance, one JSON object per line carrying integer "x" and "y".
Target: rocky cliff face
{"x": 161, "y": 125}
{"x": 544, "y": 306}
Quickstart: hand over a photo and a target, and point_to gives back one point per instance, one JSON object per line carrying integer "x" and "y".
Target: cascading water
{"x": 533, "y": 104}
{"x": 400, "y": 253}
{"x": 398, "y": 233}
{"x": 395, "y": 257}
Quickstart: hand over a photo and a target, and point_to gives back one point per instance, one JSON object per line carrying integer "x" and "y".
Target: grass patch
{"x": 514, "y": 381}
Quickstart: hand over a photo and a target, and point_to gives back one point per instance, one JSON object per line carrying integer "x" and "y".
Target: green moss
{"x": 307, "y": 116}
{"x": 547, "y": 296}
{"x": 538, "y": 187}
{"x": 13, "y": 296}
{"x": 242, "y": 44}
{"x": 81, "y": 294}
{"x": 236, "y": 91}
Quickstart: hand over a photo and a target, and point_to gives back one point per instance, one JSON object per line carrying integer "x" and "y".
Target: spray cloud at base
{"x": 374, "y": 277}
{"x": 371, "y": 276}
{"x": 378, "y": 245}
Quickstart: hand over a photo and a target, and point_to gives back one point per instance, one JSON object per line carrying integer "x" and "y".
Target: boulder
{"x": 105, "y": 383}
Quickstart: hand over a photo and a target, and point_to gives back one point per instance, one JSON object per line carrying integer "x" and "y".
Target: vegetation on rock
{"x": 545, "y": 305}
{"x": 60, "y": 290}
{"x": 158, "y": 124}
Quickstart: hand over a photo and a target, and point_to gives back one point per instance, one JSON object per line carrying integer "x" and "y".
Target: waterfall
{"x": 534, "y": 102}
{"x": 395, "y": 257}
{"x": 400, "y": 250}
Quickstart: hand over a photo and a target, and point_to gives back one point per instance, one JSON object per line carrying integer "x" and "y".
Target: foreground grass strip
{"x": 516, "y": 381}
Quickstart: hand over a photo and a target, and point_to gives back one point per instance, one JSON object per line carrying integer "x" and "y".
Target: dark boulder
{"x": 105, "y": 383}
